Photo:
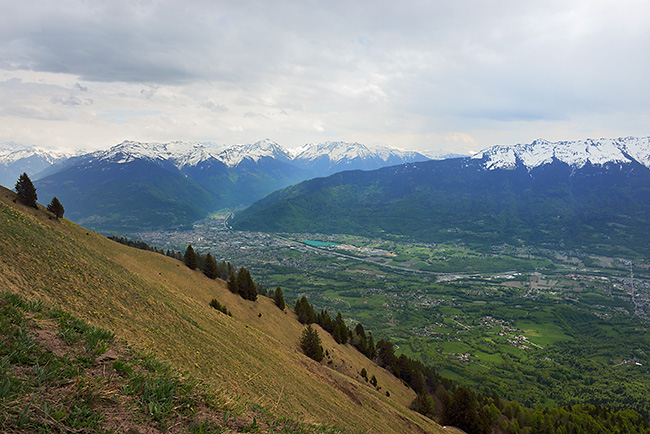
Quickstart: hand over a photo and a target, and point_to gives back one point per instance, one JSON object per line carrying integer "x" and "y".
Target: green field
{"x": 539, "y": 334}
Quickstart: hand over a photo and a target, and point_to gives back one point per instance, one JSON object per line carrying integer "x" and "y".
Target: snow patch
{"x": 574, "y": 153}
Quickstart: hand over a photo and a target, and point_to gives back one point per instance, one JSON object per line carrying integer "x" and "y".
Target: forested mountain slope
{"x": 601, "y": 206}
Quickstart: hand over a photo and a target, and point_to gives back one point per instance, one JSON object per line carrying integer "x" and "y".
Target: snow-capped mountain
{"x": 135, "y": 184}
{"x": 16, "y": 159}
{"x": 323, "y": 157}
{"x": 590, "y": 195}
{"x": 178, "y": 153}
{"x": 330, "y": 157}
{"x": 574, "y": 153}
{"x": 233, "y": 156}
{"x": 11, "y": 153}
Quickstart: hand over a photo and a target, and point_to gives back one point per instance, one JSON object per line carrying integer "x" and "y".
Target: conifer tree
{"x": 247, "y": 288}
{"x": 424, "y": 404}
{"x": 56, "y": 208}
{"x": 341, "y": 332}
{"x": 323, "y": 319}
{"x": 371, "y": 352}
{"x": 225, "y": 269}
{"x": 278, "y": 298}
{"x": 210, "y": 267}
{"x": 190, "y": 258}
{"x": 310, "y": 343}
{"x": 305, "y": 311}
{"x": 26, "y": 191}
{"x": 232, "y": 283}
{"x": 359, "y": 339}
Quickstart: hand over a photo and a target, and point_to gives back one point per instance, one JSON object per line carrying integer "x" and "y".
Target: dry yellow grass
{"x": 156, "y": 303}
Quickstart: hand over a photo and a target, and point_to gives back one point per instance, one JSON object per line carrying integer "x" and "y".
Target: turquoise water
{"x": 315, "y": 243}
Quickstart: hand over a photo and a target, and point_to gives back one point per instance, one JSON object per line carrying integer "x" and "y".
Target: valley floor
{"x": 542, "y": 326}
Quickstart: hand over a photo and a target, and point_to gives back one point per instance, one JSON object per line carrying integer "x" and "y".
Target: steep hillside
{"x": 156, "y": 303}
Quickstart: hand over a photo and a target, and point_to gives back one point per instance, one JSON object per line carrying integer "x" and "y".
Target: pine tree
{"x": 371, "y": 352}
{"x": 232, "y": 283}
{"x": 310, "y": 343}
{"x": 247, "y": 288}
{"x": 323, "y": 319}
{"x": 278, "y": 298}
{"x": 56, "y": 208}
{"x": 305, "y": 311}
{"x": 26, "y": 191}
{"x": 359, "y": 339}
{"x": 190, "y": 257}
{"x": 210, "y": 267}
{"x": 341, "y": 331}
{"x": 424, "y": 404}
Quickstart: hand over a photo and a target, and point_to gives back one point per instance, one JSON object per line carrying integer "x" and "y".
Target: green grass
{"x": 35, "y": 392}
{"x": 392, "y": 306}
{"x": 159, "y": 306}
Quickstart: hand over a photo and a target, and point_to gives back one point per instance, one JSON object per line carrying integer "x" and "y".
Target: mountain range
{"x": 16, "y": 159}
{"x": 138, "y": 186}
{"x": 581, "y": 194}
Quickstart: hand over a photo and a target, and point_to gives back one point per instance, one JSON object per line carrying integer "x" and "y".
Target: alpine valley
{"x": 135, "y": 186}
{"x": 590, "y": 194}
{"x": 504, "y": 292}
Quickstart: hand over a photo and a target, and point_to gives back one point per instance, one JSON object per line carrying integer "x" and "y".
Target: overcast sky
{"x": 439, "y": 76}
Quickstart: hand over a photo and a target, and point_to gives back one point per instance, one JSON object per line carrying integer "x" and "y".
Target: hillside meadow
{"x": 159, "y": 306}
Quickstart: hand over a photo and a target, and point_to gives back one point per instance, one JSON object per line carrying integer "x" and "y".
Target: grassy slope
{"x": 155, "y": 302}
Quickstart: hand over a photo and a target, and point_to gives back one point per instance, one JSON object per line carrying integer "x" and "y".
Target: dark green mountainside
{"x": 148, "y": 194}
{"x": 135, "y": 196}
{"x": 596, "y": 207}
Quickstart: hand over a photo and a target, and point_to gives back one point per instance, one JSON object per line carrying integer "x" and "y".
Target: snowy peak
{"x": 344, "y": 151}
{"x": 16, "y": 159}
{"x": 334, "y": 151}
{"x": 179, "y": 153}
{"x": 574, "y": 153}
{"x": 182, "y": 154}
{"x": 234, "y": 155}
{"x": 12, "y": 153}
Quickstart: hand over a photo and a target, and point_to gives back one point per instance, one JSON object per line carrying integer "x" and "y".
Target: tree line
{"x": 441, "y": 399}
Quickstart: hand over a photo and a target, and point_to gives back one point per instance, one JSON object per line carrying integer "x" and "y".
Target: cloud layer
{"x": 441, "y": 76}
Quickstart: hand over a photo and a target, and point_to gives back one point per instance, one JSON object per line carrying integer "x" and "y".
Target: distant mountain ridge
{"x": 339, "y": 155}
{"x": 574, "y": 153}
{"x": 136, "y": 186}
{"x": 16, "y": 159}
{"x": 331, "y": 157}
{"x": 593, "y": 194}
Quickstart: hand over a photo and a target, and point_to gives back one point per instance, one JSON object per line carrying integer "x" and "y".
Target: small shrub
{"x": 220, "y": 307}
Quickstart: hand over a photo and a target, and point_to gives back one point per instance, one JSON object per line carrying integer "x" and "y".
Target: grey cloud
{"x": 217, "y": 108}
{"x": 472, "y": 61}
{"x": 69, "y": 100}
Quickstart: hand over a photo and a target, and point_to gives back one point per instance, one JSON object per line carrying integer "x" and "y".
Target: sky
{"x": 436, "y": 76}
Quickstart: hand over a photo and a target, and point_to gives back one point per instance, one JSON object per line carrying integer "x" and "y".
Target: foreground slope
{"x": 155, "y": 302}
